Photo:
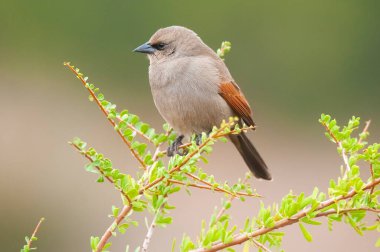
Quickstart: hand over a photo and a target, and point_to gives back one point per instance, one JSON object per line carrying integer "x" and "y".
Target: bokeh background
{"x": 293, "y": 59}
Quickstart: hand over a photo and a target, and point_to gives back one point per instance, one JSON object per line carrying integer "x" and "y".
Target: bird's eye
{"x": 159, "y": 46}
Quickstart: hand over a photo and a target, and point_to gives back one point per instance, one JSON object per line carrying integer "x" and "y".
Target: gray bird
{"x": 194, "y": 91}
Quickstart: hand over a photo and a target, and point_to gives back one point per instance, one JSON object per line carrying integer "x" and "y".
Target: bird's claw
{"x": 174, "y": 147}
{"x": 198, "y": 139}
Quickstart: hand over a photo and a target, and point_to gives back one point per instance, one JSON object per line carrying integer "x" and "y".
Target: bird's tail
{"x": 251, "y": 157}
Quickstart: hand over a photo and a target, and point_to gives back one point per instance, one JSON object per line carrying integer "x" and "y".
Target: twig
{"x": 367, "y": 123}
{"x": 125, "y": 210}
{"x": 284, "y": 222}
{"x": 187, "y": 159}
{"x": 149, "y": 234}
{"x": 91, "y": 160}
{"x": 32, "y": 238}
{"x": 223, "y": 208}
{"x": 103, "y": 241}
{"x": 101, "y": 172}
{"x": 344, "y": 155}
{"x": 232, "y": 132}
{"x": 106, "y": 113}
{"x": 332, "y": 211}
{"x": 217, "y": 189}
{"x": 260, "y": 245}
{"x": 372, "y": 176}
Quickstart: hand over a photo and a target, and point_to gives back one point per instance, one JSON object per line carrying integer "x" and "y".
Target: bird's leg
{"x": 198, "y": 139}
{"x": 174, "y": 147}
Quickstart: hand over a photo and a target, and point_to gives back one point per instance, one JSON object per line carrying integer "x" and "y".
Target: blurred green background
{"x": 293, "y": 59}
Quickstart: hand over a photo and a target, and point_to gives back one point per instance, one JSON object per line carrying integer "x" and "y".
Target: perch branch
{"x": 187, "y": 159}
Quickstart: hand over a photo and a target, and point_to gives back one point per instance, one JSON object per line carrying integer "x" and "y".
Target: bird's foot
{"x": 174, "y": 147}
{"x": 198, "y": 139}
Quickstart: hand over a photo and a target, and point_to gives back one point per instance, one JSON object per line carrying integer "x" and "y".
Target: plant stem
{"x": 103, "y": 241}
{"x": 35, "y": 232}
{"x": 106, "y": 113}
{"x": 149, "y": 234}
{"x": 217, "y": 189}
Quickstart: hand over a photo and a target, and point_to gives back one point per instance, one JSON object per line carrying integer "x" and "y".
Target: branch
{"x": 365, "y": 130}
{"x": 344, "y": 155}
{"x": 284, "y": 222}
{"x": 223, "y": 209}
{"x": 29, "y": 241}
{"x": 149, "y": 234}
{"x": 106, "y": 113}
{"x": 348, "y": 210}
{"x": 103, "y": 241}
{"x": 232, "y": 132}
{"x": 126, "y": 209}
{"x": 372, "y": 176}
{"x": 187, "y": 158}
{"x": 260, "y": 245}
{"x": 101, "y": 172}
{"x": 211, "y": 188}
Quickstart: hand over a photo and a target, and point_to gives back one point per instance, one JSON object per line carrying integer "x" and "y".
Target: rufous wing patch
{"x": 233, "y": 96}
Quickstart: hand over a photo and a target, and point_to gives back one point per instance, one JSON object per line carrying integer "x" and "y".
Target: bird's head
{"x": 172, "y": 42}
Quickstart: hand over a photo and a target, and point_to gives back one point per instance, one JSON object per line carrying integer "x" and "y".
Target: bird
{"x": 194, "y": 91}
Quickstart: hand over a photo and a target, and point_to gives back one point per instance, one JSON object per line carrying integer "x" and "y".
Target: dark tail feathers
{"x": 251, "y": 157}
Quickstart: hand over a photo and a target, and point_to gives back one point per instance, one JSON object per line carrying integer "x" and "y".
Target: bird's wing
{"x": 236, "y": 100}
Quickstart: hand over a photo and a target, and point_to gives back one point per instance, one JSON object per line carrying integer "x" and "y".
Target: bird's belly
{"x": 191, "y": 111}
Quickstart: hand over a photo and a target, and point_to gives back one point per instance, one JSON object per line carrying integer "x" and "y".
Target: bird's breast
{"x": 186, "y": 95}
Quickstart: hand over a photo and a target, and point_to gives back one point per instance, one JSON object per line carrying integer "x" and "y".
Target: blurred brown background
{"x": 293, "y": 59}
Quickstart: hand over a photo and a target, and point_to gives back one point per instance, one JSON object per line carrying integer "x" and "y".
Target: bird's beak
{"x": 145, "y": 48}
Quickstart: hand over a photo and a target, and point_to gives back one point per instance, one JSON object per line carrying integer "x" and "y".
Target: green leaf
{"x": 123, "y": 227}
{"x": 138, "y": 206}
{"x": 115, "y": 211}
{"x": 100, "y": 179}
{"x": 94, "y": 242}
{"x": 108, "y": 244}
{"x": 92, "y": 167}
{"x": 305, "y": 233}
{"x": 310, "y": 221}
{"x": 377, "y": 245}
